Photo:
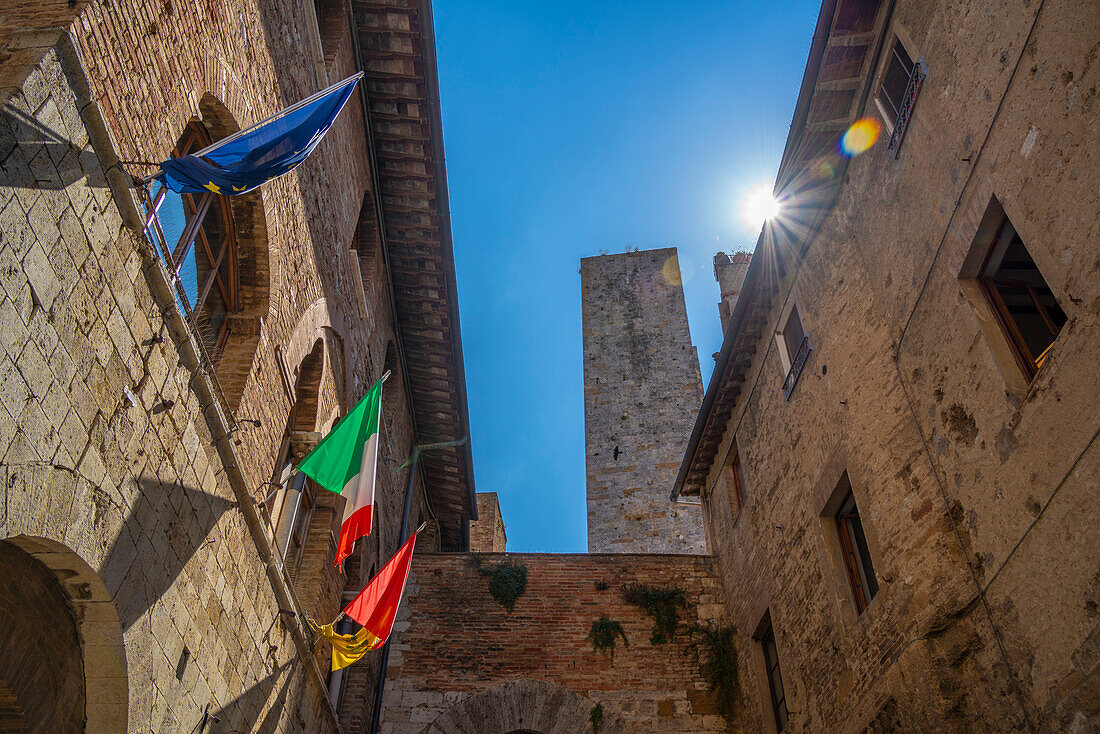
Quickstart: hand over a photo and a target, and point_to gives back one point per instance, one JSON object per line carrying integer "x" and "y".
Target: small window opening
{"x": 853, "y": 546}
{"x": 1024, "y": 304}
{"x": 793, "y": 334}
{"x": 895, "y": 80}
{"x": 181, "y": 664}
{"x": 735, "y": 482}
{"x": 794, "y": 348}
{"x": 897, "y": 92}
{"x": 775, "y": 677}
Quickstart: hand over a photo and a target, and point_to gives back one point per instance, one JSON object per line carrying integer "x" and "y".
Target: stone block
{"x": 14, "y": 392}
{"x": 13, "y": 333}
{"x": 43, "y": 279}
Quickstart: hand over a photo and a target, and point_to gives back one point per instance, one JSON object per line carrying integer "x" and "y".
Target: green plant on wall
{"x": 715, "y": 647}
{"x": 507, "y": 582}
{"x": 662, "y": 603}
{"x": 605, "y": 633}
{"x": 596, "y": 718}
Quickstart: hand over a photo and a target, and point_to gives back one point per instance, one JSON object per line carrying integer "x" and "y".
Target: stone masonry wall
{"x": 103, "y": 441}
{"x": 460, "y": 660}
{"x": 977, "y": 490}
{"x": 487, "y": 532}
{"x": 105, "y": 448}
{"x": 730, "y": 271}
{"x": 642, "y": 390}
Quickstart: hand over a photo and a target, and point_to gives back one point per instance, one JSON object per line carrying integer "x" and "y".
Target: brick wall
{"x": 641, "y": 391}
{"x": 454, "y": 642}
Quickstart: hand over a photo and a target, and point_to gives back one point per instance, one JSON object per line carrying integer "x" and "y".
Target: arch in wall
{"x": 316, "y": 323}
{"x": 523, "y": 706}
{"x": 251, "y": 270}
{"x": 62, "y": 655}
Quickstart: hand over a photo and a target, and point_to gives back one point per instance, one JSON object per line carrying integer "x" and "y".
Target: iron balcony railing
{"x": 916, "y": 78}
{"x": 797, "y": 364}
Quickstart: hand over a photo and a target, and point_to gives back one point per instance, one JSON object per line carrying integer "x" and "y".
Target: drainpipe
{"x": 414, "y": 459}
{"x": 217, "y": 421}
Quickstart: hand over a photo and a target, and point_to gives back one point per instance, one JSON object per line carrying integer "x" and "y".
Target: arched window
{"x": 293, "y": 509}
{"x": 215, "y": 250}
{"x": 198, "y": 229}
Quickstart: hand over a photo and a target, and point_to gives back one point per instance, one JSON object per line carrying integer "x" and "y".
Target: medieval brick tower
{"x": 642, "y": 390}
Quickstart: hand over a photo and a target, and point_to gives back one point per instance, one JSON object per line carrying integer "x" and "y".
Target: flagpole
{"x": 271, "y": 118}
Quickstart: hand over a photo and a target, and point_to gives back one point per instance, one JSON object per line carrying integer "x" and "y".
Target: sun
{"x": 758, "y": 206}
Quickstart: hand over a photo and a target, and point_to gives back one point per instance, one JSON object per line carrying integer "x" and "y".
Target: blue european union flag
{"x": 242, "y": 162}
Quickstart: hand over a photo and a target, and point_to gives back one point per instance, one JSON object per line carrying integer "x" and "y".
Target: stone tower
{"x": 642, "y": 390}
{"x": 730, "y": 272}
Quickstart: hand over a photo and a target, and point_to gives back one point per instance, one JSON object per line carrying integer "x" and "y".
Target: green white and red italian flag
{"x": 345, "y": 462}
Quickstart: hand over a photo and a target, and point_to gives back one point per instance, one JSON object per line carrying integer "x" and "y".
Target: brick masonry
{"x": 642, "y": 390}
{"x": 462, "y": 663}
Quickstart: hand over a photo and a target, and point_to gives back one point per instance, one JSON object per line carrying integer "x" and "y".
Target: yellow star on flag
{"x": 213, "y": 187}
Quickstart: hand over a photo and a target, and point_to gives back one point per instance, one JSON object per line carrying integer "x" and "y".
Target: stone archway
{"x": 62, "y": 656}
{"x": 523, "y": 707}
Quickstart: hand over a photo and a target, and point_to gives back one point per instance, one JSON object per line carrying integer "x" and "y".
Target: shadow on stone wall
{"x": 241, "y": 713}
{"x": 167, "y": 525}
{"x": 42, "y": 156}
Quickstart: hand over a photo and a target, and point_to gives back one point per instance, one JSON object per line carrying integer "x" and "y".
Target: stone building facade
{"x": 641, "y": 391}
{"x": 897, "y": 452}
{"x": 156, "y": 566}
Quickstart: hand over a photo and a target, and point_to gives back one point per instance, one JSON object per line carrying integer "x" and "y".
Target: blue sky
{"x": 576, "y": 127}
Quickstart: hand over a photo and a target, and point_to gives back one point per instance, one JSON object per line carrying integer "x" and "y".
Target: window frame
{"x": 733, "y": 475}
{"x": 858, "y": 565}
{"x": 896, "y": 120}
{"x": 792, "y": 363}
{"x": 197, "y": 208}
{"x": 988, "y": 283}
{"x": 773, "y": 670}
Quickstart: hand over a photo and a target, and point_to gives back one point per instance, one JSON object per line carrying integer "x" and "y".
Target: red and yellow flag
{"x": 375, "y": 609}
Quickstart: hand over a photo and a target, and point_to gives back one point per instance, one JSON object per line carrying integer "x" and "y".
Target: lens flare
{"x": 860, "y": 137}
{"x": 758, "y": 206}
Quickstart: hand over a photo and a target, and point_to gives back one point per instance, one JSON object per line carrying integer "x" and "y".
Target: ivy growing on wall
{"x": 714, "y": 646}
{"x": 662, "y": 603}
{"x": 605, "y": 633}
{"x": 596, "y": 718}
{"x": 507, "y": 582}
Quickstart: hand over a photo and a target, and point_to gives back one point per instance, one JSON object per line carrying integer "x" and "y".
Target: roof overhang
{"x": 844, "y": 53}
{"x": 397, "y": 53}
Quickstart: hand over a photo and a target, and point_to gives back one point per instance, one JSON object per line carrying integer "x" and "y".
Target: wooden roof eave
{"x": 743, "y": 335}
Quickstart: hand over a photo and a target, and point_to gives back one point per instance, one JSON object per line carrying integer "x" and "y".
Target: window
{"x": 196, "y": 231}
{"x": 897, "y": 92}
{"x": 794, "y": 348}
{"x": 853, "y": 548}
{"x": 295, "y": 512}
{"x": 735, "y": 481}
{"x": 1025, "y": 307}
{"x": 775, "y": 677}
{"x": 793, "y": 334}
